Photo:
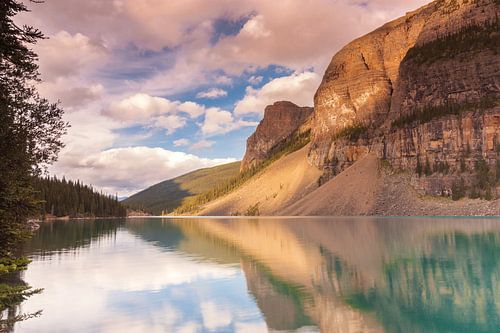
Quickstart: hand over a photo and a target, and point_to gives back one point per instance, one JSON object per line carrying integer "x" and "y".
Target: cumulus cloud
{"x": 255, "y": 28}
{"x": 193, "y": 109}
{"x": 319, "y": 28}
{"x": 67, "y": 63}
{"x": 255, "y": 80}
{"x": 171, "y": 123}
{"x": 302, "y": 34}
{"x": 91, "y": 156}
{"x": 298, "y": 88}
{"x": 127, "y": 170}
{"x": 89, "y": 132}
{"x": 139, "y": 108}
{"x": 71, "y": 94}
{"x": 202, "y": 144}
{"x": 156, "y": 24}
{"x": 181, "y": 142}
{"x": 212, "y": 93}
{"x": 64, "y": 55}
{"x": 166, "y": 24}
{"x": 143, "y": 109}
{"x": 219, "y": 121}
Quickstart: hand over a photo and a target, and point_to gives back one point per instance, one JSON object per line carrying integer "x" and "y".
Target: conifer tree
{"x": 69, "y": 198}
{"x": 30, "y": 126}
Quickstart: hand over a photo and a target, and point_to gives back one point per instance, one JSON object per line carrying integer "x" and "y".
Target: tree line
{"x": 61, "y": 197}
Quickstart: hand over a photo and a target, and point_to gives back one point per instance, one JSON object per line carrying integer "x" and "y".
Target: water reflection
{"x": 255, "y": 275}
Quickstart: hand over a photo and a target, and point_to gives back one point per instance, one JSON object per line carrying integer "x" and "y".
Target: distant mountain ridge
{"x": 168, "y": 195}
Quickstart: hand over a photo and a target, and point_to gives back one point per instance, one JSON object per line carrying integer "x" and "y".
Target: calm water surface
{"x": 260, "y": 275}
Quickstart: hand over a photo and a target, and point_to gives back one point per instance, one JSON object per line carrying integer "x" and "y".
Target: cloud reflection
{"x": 126, "y": 284}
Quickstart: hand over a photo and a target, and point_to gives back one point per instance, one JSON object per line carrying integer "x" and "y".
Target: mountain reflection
{"x": 304, "y": 274}
{"x": 368, "y": 275}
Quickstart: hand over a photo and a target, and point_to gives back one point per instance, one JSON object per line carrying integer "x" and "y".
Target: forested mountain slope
{"x": 169, "y": 194}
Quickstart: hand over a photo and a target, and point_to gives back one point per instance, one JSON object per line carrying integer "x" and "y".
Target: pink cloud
{"x": 318, "y": 27}
{"x": 64, "y": 55}
{"x": 219, "y": 121}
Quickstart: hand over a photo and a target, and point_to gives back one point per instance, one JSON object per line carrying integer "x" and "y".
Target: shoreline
{"x": 67, "y": 218}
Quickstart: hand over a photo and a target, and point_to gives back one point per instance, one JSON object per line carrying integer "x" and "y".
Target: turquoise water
{"x": 265, "y": 274}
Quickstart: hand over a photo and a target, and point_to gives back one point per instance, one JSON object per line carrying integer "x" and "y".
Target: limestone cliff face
{"x": 423, "y": 87}
{"x": 456, "y": 142}
{"x": 448, "y": 139}
{"x": 281, "y": 120}
{"x": 359, "y": 82}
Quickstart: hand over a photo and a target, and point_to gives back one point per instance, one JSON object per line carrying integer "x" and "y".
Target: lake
{"x": 265, "y": 274}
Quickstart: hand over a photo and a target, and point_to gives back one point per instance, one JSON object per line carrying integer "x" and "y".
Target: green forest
{"x": 61, "y": 197}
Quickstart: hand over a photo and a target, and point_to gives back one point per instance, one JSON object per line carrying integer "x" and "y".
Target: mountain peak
{"x": 281, "y": 120}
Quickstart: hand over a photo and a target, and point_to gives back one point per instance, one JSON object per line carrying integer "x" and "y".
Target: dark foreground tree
{"x": 30, "y": 126}
{"x": 30, "y": 138}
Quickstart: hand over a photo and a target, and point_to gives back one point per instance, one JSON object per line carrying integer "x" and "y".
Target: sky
{"x": 157, "y": 88}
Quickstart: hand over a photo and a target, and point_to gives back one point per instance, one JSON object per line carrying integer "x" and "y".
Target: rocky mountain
{"x": 421, "y": 92}
{"x": 403, "y": 114}
{"x": 281, "y": 121}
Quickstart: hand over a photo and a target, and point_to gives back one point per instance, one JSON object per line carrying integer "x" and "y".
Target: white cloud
{"x": 156, "y": 24}
{"x": 255, "y": 28}
{"x": 218, "y": 121}
{"x": 127, "y": 170}
{"x": 67, "y": 64}
{"x": 71, "y": 93}
{"x": 192, "y": 109}
{"x": 143, "y": 109}
{"x": 89, "y": 132}
{"x": 298, "y": 88}
{"x": 181, "y": 142}
{"x": 212, "y": 93}
{"x": 301, "y": 34}
{"x": 264, "y": 39}
{"x": 202, "y": 144}
{"x": 64, "y": 55}
{"x": 255, "y": 80}
{"x": 185, "y": 75}
{"x": 171, "y": 123}
{"x": 140, "y": 108}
